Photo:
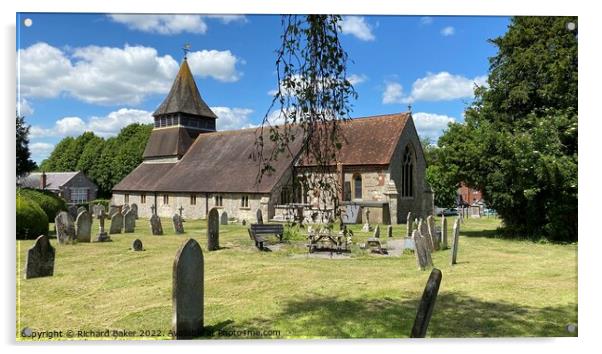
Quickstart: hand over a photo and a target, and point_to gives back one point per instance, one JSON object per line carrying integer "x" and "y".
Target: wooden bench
{"x": 256, "y": 232}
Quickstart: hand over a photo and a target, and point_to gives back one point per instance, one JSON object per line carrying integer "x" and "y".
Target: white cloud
{"x": 108, "y": 75}
{"x": 448, "y": 31}
{"x": 393, "y": 93}
{"x": 426, "y": 20}
{"x": 162, "y": 24}
{"x": 358, "y": 27}
{"x": 24, "y": 108}
{"x": 40, "y": 151}
{"x": 232, "y": 118}
{"x": 430, "y": 124}
{"x": 227, "y": 19}
{"x": 221, "y": 65}
{"x": 356, "y": 79}
{"x": 442, "y": 86}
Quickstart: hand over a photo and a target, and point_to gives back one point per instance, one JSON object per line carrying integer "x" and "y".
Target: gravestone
{"x": 259, "y": 216}
{"x": 125, "y": 209}
{"x": 72, "y": 210}
{"x": 116, "y": 223}
{"x": 443, "y": 232}
{"x": 223, "y": 219}
{"x": 430, "y": 223}
{"x": 390, "y": 231}
{"x": 40, "y": 259}
{"x": 351, "y": 214}
{"x": 213, "y": 229}
{"x": 366, "y": 228}
{"x": 178, "y": 226}
{"x": 80, "y": 209}
{"x": 410, "y": 225}
{"x": 424, "y": 232}
{"x": 421, "y": 251}
{"x": 102, "y": 234}
{"x": 65, "y": 229}
{"x": 129, "y": 221}
{"x": 188, "y": 291}
{"x": 134, "y": 208}
{"x": 376, "y": 232}
{"x": 137, "y": 245}
{"x": 83, "y": 226}
{"x": 181, "y": 209}
{"x": 113, "y": 209}
{"x": 155, "y": 224}
{"x": 427, "y": 304}
{"x": 455, "y": 240}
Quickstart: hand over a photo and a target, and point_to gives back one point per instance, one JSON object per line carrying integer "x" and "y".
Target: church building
{"x": 191, "y": 166}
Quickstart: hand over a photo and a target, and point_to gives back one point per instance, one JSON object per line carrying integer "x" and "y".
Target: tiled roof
{"x": 54, "y": 180}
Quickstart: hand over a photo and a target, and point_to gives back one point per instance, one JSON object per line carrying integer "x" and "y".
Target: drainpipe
{"x": 206, "y": 204}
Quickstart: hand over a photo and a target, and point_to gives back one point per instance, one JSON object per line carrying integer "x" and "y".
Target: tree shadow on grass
{"x": 482, "y": 233}
{"x": 455, "y": 315}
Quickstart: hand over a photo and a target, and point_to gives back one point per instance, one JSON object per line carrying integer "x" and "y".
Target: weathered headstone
{"x": 188, "y": 291}
{"x": 113, "y": 209}
{"x": 80, "y": 209}
{"x": 455, "y": 241}
{"x": 213, "y": 229}
{"x": 422, "y": 253}
{"x": 376, "y": 232}
{"x": 259, "y": 216}
{"x": 83, "y": 226}
{"x": 134, "y": 208}
{"x": 444, "y": 244}
{"x": 424, "y": 232}
{"x": 223, "y": 219}
{"x": 137, "y": 245}
{"x": 65, "y": 229}
{"x": 125, "y": 209}
{"x": 367, "y": 227}
{"x": 116, "y": 223}
{"x": 430, "y": 223}
{"x": 129, "y": 221}
{"x": 410, "y": 225}
{"x": 427, "y": 304}
{"x": 178, "y": 226}
{"x": 40, "y": 259}
{"x": 155, "y": 224}
{"x": 390, "y": 231}
{"x": 351, "y": 214}
{"x": 72, "y": 210}
{"x": 102, "y": 234}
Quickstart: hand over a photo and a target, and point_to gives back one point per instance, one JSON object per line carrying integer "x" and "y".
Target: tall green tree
{"x": 518, "y": 144}
{"x": 24, "y": 162}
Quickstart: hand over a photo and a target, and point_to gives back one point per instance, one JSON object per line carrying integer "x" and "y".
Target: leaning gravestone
{"x": 155, "y": 224}
{"x": 390, "y": 231}
{"x": 137, "y": 245}
{"x": 129, "y": 221}
{"x": 134, "y": 208}
{"x": 125, "y": 209}
{"x": 430, "y": 223}
{"x": 422, "y": 253}
{"x": 188, "y": 291}
{"x": 259, "y": 216}
{"x": 178, "y": 226}
{"x": 427, "y": 304}
{"x": 223, "y": 219}
{"x": 83, "y": 226}
{"x": 213, "y": 229}
{"x": 40, "y": 259}
{"x": 376, "y": 232}
{"x": 443, "y": 232}
{"x": 116, "y": 223}
{"x": 455, "y": 240}
{"x": 65, "y": 229}
{"x": 410, "y": 224}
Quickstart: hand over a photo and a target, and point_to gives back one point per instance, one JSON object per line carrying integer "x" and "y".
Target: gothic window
{"x": 126, "y": 197}
{"x": 357, "y": 187}
{"x": 165, "y": 199}
{"x": 407, "y": 173}
{"x": 244, "y": 202}
{"x": 219, "y": 201}
{"x": 193, "y": 199}
{"x": 347, "y": 191}
{"x": 142, "y": 198}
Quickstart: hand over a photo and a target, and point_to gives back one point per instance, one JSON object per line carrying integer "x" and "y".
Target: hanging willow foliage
{"x": 312, "y": 100}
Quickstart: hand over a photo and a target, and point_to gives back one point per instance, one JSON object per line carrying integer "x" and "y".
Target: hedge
{"x": 31, "y": 219}
{"x": 51, "y": 203}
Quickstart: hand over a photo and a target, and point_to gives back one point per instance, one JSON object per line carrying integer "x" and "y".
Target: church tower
{"x": 181, "y": 117}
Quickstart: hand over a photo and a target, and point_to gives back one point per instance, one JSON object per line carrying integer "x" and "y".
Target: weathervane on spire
{"x": 410, "y": 107}
{"x": 186, "y": 49}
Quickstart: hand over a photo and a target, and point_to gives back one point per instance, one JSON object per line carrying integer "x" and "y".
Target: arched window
{"x": 407, "y": 173}
{"x": 357, "y": 187}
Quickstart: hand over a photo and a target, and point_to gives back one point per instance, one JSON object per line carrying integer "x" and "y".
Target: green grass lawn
{"x": 499, "y": 288}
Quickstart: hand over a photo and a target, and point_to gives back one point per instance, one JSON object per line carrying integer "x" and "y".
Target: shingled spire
{"x": 181, "y": 117}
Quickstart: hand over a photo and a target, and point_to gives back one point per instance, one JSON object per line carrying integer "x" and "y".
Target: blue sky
{"x": 100, "y": 72}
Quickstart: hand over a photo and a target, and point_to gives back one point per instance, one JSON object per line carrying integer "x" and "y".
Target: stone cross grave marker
{"x": 455, "y": 241}
{"x": 444, "y": 244}
{"x": 129, "y": 221}
{"x": 188, "y": 291}
{"x": 155, "y": 224}
{"x": 213, "y": 229}
{"x": 134, "y": 208}
{"x": 427, "y": 304}
{"x": 137, "y": 245}
{"x": 223, "y": 219}
{"x": 116, "y": 223}
{"x": 410, "y": 225}
{"x": 430, "y": 223}
{"x": 65, "y": 229}
{"x": 178, "y": 226}
{"x": 181, "y": 209}
{"x": 259, "y": 216}
{"x": 102, "y": 234}
{"x": 40, "y": 259}
{"x": 83, "y": 226}
{"x": 376, "y": 232}
{"x": 390, "y": 231}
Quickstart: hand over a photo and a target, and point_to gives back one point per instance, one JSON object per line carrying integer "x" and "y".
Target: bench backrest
{"x": 267, "y": 228}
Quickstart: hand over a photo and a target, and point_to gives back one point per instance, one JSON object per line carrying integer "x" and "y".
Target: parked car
{"x": 447, "y": 212}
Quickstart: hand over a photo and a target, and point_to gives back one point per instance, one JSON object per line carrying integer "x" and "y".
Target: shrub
{"x": 51, "y": 203}
{"x": 31, "y": 219}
